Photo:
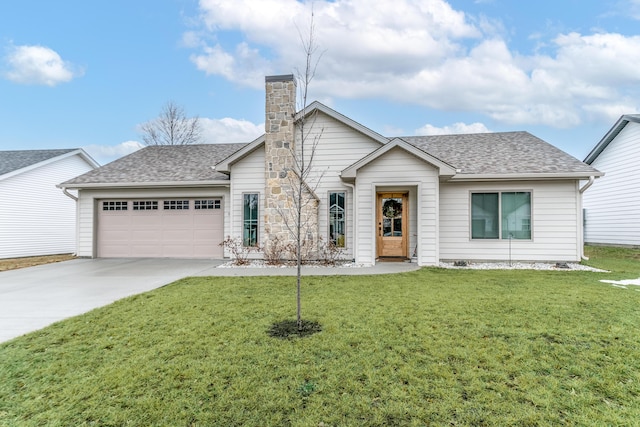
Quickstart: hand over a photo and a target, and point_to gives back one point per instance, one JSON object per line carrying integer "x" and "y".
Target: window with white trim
{"x": 176, "y": 205}
{"x": 250, "y": 202}
{"x": 207, "y": 204}
{"x": 501, "y": 215}
{"x": 337, "y": 219}
{"x": 115, "y": 205}
{"x": 145, "y": 205}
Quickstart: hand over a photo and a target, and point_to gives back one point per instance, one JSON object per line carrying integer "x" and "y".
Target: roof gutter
{"x": 121, "y": 185}
{"x": 461, "y": 177}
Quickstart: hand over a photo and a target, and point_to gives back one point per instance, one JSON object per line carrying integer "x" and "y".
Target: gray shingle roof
{"x": 162, "y": 163}
{"x": 14, "y": 160}
{"x": 499, "y": 153}
{"x": 483, "y": 153}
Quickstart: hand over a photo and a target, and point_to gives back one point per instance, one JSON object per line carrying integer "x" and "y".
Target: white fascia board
{"x": 610, "y": 136}
{"x": 443, "y": 168}
{"x": 524, "y": 177}
{"x": 315, "y": 105}
{"x": 224, "y": 166}
{"x": 143, "y": 185}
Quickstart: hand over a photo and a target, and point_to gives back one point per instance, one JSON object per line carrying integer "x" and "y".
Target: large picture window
{"x": 337, "y": 219}
{"x": 501, "y": 215}
{"x": 250, "y": 219}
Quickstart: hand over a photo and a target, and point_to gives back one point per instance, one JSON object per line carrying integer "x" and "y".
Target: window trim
{"x": 176, "y": 204}
{"x": 257, "y": 220}
{"x": 346, "y": 216}
{"x": 202, "y": 204}
{"x": 499, "y": 193}
{"x": 115, "y": 205}
{"x": 144, "y": 205}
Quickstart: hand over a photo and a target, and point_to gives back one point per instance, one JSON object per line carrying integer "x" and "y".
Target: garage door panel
{"x": 146, "y": 221}
{"x": 145, "y": 235}
{"x": 178, "y": 251}
{"x": 145, "y": 251}
{"x": 180, "y": 233}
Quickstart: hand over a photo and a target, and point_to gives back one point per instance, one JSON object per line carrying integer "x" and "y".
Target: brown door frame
{"x": 392, "y": 250}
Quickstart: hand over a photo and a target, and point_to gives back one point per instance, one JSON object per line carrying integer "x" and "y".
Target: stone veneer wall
{"x": 280, "y": 165}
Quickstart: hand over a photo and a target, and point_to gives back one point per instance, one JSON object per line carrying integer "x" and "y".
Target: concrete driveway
{"x": 35, "y": 297}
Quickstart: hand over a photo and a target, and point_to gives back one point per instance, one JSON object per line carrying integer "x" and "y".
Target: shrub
{"x": 239, "y": 252}
{"x": 276, "y": 250}
{"x": 329, "y": 253}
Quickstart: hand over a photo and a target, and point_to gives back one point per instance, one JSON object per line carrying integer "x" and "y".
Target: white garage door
{"x": 160, "y": 228}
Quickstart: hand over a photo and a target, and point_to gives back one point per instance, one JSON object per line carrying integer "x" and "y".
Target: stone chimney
{"x": 279, "y": 148}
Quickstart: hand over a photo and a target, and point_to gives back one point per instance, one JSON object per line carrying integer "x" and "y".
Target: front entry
{"x": 391, "y": 218}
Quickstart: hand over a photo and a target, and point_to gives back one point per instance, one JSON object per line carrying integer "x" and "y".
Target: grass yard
{"x": 432, "y": 347}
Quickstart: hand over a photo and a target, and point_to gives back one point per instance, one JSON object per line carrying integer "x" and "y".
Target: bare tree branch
{"x": 171, "y": 127}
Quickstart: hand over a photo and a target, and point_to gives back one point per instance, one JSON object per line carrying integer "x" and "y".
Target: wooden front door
{"x": 391, "y": 219}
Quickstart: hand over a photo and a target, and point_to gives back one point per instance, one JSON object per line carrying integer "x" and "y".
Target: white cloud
{"x": 215, "y": 131}
{"x": 456, "y": 128}
{"x": 38, "y": 65}
{"x": 423, "y": 52}
{"x": 106, "y": 153}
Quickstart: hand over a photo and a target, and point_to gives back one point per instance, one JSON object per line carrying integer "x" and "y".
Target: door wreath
{"x": 392, "y": 208}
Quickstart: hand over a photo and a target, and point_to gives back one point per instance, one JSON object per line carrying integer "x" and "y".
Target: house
{"x": 612, "y": 204}
{"x": 36, "y": 218}
{"x": 493, "y": 196}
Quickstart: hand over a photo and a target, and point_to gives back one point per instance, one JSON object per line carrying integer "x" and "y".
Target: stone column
{"x": 279, "y": 150}
{"x": 280, "y": 168}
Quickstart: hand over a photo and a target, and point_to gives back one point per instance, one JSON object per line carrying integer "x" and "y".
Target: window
{"x": 114, "y": 206}
{"x": 250, "y": 219}
{"x": 176, "y": 204}
{"x": 337, "y": 219}
{"x": 207, "y": 204}
{"x": 501, "y": 215}
{"x": 145, "y": 205}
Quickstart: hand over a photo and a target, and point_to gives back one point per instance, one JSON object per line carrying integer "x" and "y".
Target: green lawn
{"x": 432, "y": 347}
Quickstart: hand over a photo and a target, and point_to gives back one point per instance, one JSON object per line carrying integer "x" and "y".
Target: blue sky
{"x": 77, "y": 73}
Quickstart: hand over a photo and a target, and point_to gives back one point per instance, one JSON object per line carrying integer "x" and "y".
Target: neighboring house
{"x": 36, "y": 218}
{"x": 493, "y": 196}
{"x": 612, "y": 204}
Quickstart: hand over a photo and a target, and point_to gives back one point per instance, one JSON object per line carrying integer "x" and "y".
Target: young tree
{"x": 171, "y": 127}
{"x": 298, "y": 211}
{"x": 303, "y": 162}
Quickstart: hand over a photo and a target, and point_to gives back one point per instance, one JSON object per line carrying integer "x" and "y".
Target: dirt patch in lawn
{"x": 15, "y": 263}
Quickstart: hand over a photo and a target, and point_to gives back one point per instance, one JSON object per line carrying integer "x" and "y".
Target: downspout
{"x": 66, "y": 193}
{"x": 588, "y": 184}
{"x": 75, "y": 199}
{"x": 582, "y": 190}
{"x": 355, "y": 212}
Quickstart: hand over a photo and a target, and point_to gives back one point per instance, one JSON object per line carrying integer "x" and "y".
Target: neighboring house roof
{"x": 160, "y": 165}
{"x": 17, "y": 161}
{"x": 501, "y": 154}
{"x": 610, "y": 136}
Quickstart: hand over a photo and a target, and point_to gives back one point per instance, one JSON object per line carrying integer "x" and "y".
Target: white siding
{"x": 555, "y": 223}
{"x": 87, "y": 205}
{"x": 339, "y": 148}
{"x": 247, "y": 176}
{"x": 612, "y": 203}
{"x": 399, "y": 170}
{"x": 36, "y": 218}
